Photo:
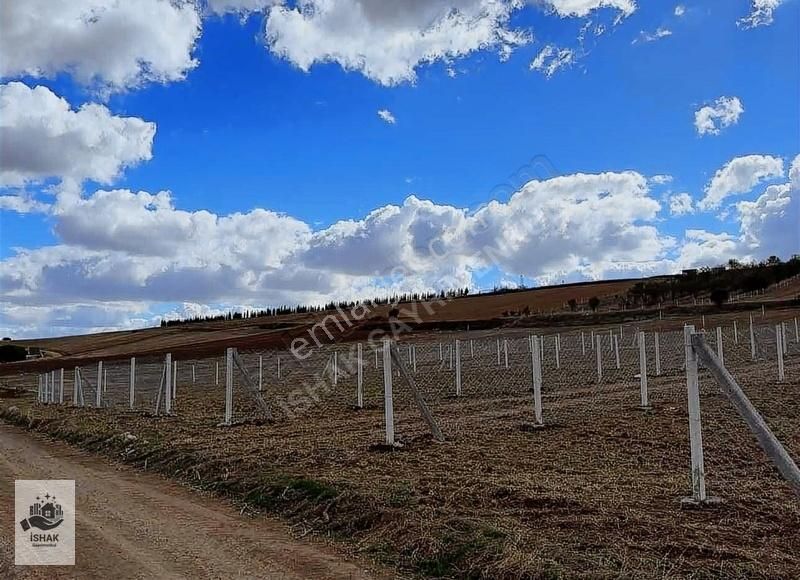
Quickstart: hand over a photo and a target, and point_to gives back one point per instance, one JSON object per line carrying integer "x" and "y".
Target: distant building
{"x": 690, "y": 273}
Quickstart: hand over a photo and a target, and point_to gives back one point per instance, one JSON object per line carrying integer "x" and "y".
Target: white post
{"x": 599, "y": 352}
{"x": 441, "y": 353}
{"x": 610, "y": 340}
{"x": 168, "y": 376}
{"x": 752, "y": 340}
{"x": 174, "y": 380}
{"x": 458, "y": 368}
{"x": 720, "y": 352}
{"x": 414, "y": 357}
{"x": 583, "y": 345}
{"x": 359, "y": 379}
{"x": 616, "y": 351}
{"x": 261, "y": 373}
{"x": 278, "y": 364}
{"x": 704, "y": 321}
{"x": 779, "y": 341}
{"x": 450, "y": 356}
{"x": 536, "y": 370}
{"x": 591, "y": 341}
{"x": 695, "y": 425}
{"x": 505, "y": 351}
{"x": 472, "y": 343}
{"x": 643, "y": 369}
{"x": 388, "y": 403}
{"x": 76, "y": 385}
{"x": 216, "y": 373}
{"x": 132, "y": 387}
{"x": 620, "y": 332}
{"x": 335, "y": 367}
{"x": 98, "y": 394}
{"x": 376, "y": 356}
{"x": 228, "y": 385}
{"x": 40, "y": 392}
{"x": 783, "y": 338}
{"x": 796, "y": 331}
{"x": 763, "y": 311}
{"x": 498, "y": 352}
{"x": 194, "y": 375}
{"x": 61, "y": 388}
{"x": 558, "y": 350}
{"x": 105, "y": 381}
{"x": 658, "y": 354}
{"x": 735, "y": 333}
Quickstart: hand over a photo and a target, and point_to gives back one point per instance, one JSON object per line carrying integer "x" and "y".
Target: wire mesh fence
{"x": 469, "y": 381}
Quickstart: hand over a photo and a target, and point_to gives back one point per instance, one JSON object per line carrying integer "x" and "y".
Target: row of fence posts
{"x": 47, "y": 381}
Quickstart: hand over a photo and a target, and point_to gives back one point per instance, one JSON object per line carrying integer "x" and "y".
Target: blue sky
{"x": 239, "y": 126}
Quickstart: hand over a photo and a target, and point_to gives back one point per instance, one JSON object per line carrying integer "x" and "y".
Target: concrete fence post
{"x": 599, "y": 353}
{"x": 388, "y": 402}
{"x": 583, "y": 344}
{"x": 796, "y": 331}
{"x": 61, "y": 387}
{"x": 616, "y": 351}
{"x": 645, "y": 401}
{"x": 536, "y": 371}
{"x": 335, "y": 367}
{"x": 557, "y": 344}
{"x": 359, "y": 378}
{"x": 779, "y": 344}
{"x": 591, "y": 340}
{"x": 174, "y": 380}
{"x": 658, "y": 354}
{"x": 783, "y": 338}
{"x": 695, "y": 423}
{"x": 99, "y": 390}
{"x": 505, "y": 351}
{"x": 278, "y": 367}
{"x": 194, "y": 375}
{"x": 228, "y": 386}
{"x": 498, "y": 352}
{"x": 752, "y": 340}
{"x": 720, "y": 351}
{"x": 168, "y": 376}
{"x": 216, "y": 373}
{"x": 76, "y": 385}
{"x": 458, "y": 368}
{"x": 132, "y": 386}
{"x": 735, "y": 333}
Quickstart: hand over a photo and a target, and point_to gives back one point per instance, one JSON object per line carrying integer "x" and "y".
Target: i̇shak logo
{"x": 45, "y": 530}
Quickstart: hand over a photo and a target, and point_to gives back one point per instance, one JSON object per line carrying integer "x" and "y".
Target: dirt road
{"x": 137, "y": 525}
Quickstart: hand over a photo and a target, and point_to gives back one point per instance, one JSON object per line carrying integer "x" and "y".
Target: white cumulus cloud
{"x": 387, "y": 116}
{"x": 388, "y": 41}
{"x": 42, "y": 137}
{"x": 582, "y": 8}
{"x": 711, "y": 119}
{"x": 681, "y": 204}
{"x": 116, "y": 44}
{"x": 761, "y": 13}
{"x": 551, "y": 59}
{"x": 740, "y": 175}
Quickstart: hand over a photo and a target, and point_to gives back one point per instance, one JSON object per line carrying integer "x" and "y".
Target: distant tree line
{"x": 305, "y": 309}
{"x": 716, "y": 282}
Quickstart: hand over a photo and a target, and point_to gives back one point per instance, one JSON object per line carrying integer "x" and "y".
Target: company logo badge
{"x": 45, "y": 515}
